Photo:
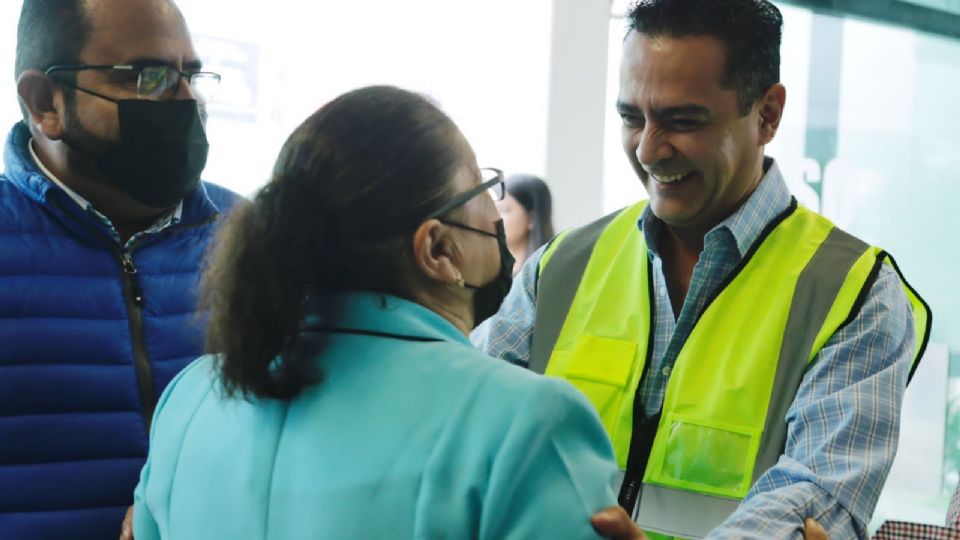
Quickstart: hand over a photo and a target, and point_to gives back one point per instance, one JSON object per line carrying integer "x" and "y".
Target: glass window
{"x": 894, "y": 182}
{"x": 943, "y": 5}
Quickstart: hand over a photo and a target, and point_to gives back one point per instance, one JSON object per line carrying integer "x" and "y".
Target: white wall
{"x": 578, "y": 75}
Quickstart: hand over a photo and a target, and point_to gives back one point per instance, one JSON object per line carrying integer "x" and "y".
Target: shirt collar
{"x": 768, "y": 200}
{"x": 81, "y": 202}
{"x": 170, "y": 218}
{"x": 384, "y": 313}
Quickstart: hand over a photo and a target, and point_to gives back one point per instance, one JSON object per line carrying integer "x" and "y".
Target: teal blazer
{"x": 402, "y": 439}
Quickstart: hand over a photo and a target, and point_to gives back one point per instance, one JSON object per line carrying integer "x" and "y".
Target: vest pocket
{"x": 600, "y": 368}
{"x": 710, "y": 459}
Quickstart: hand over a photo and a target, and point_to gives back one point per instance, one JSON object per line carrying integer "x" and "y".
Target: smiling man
{"x": 747, "y": 358}
{"x": 103, "y": 224}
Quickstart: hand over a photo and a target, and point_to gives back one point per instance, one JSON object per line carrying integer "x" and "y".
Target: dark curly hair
{"x": 350, "y": 186}
{"x": 751, "y": 30}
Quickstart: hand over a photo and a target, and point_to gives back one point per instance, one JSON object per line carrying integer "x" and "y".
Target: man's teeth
{"x": 668, "y": 179}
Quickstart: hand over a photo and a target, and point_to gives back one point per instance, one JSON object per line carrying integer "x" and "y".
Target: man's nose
{"x": 654, "y": 147}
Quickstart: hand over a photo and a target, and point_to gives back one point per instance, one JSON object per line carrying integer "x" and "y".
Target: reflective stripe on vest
{"x": 723, "y": 420}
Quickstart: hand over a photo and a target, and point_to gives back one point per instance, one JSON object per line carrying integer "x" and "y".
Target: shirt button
{"x": 666, "y": 371}
{"x": 663, "y": 292}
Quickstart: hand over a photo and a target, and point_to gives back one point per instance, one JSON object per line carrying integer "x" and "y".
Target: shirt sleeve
{"x": 552, "y": 471}
{"x": 842, "y": 428}
{"x": 508, "y": 333}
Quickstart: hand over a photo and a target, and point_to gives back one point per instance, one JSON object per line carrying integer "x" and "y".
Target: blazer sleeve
{"x": 146, "y": 524}
{"x": 553, "y": 470}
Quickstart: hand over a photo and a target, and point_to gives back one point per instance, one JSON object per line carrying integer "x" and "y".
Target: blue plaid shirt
{"x": 845, "y": 419}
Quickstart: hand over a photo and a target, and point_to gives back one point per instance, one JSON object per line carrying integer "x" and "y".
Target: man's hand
{"x": 813, "y": 531}
{"x": 126, "y": 530}
{"x": 615, "y": 524}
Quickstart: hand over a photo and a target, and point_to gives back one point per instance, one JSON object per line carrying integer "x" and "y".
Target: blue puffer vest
{"x": 90, "y": 334}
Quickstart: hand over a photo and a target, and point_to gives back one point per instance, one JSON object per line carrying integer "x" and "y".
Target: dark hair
{"x": 534, "y": 196}
{"x": 350, "y": 186}
{"x": 50, "y": 32}
{"x": 751, "y": 30}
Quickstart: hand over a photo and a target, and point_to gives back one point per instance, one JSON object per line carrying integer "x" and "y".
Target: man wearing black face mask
{"x": 103, "y": 223}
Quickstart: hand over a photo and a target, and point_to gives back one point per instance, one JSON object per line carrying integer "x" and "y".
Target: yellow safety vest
{"x": 723, "y": 418}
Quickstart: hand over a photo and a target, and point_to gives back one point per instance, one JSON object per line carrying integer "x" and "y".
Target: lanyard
{"x": 372, "y": 333}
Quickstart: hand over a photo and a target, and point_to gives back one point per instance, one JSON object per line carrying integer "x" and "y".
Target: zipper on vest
{"x": 133, "y": 297}
{"x": 131, "y": 270}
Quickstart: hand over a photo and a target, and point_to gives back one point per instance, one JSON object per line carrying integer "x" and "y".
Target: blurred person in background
{"x": 346, "y": 400}
{"x": 103, "y": 226}
{"x": 527, "y": 216}
{"x": 747, "y": 358}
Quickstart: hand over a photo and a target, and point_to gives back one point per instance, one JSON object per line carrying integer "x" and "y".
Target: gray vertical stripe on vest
{"x": 816, "y": 291}
{"x": 674, "y": 512}
{"x": 561, "y": 276}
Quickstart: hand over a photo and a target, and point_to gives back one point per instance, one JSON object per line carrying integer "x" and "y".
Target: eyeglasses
{"x": 154, "y": 81}
{"x": 491, "y": 181}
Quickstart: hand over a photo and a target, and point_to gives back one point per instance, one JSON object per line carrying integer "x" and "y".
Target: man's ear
{"x": 771, "y": 111}
{"x": 435, "y": 253}
{"x": 43, "y": 99}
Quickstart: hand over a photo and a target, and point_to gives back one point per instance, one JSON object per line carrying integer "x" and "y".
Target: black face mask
{"x": 487, "y": 298}
{"x": 161, "y": 152}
